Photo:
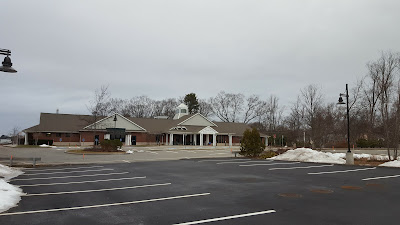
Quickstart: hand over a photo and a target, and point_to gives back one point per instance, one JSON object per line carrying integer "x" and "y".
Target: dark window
{"x": 58, "y": 134}
{"x": 67, "y": 135}
{"x": 48, "y": 134}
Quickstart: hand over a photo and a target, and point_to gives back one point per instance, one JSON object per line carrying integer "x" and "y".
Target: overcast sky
{"x": 64, "y": 50}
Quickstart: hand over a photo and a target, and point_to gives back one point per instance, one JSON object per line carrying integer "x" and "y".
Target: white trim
{"x": 208, "y": 127}
{"x": 201, "y": 116}
{"x": 123, "y": 117}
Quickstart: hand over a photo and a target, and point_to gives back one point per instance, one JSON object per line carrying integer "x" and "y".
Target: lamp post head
{"x": 7, "y": 65}
{"x": 115, "y": 117}
{"x": 340, "y": 102}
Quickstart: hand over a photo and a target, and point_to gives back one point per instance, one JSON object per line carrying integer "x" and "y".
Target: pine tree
{"x": 191, "y": 101}
{"x": 252, "y": 144}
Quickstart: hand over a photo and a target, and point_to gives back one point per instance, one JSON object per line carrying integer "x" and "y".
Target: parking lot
{"x": 208, "y": 190}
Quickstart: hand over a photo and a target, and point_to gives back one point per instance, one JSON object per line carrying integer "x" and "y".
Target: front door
{"x": 133, "y": 140}
{"x": 96, "y": 140}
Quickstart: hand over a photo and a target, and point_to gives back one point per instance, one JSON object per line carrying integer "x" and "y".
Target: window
{"x": 58, "y": 134}
{"x": 67, "y": 135}
{"x": 183, "y": 110}
{"x": 48, "y": 134}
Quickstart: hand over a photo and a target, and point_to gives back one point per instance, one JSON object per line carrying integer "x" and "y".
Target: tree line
{"x": 374, "y": 102}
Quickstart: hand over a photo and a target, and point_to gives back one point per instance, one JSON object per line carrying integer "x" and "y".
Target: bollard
{"x": 11, "y": 160}
{"x": 83, "y": 156}
{"x": 34, "y": 162}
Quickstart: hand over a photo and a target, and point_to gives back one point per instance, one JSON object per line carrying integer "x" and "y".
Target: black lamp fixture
{"x": 115, "y": 120}
{"x": 7, "y": 65}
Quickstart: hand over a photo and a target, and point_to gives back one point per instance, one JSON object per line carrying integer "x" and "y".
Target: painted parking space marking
{"x": 73, "y": 168}
{"x": 80, "y": 171}
{"x": 104, "y": 205}
{"x": 270, "y": 164}
{"x": 251, "y": 161}
{"x": 81, "y": 182}
{"x": 76, "y": 176}
{"x": 96, "y": 190}
{"x": 342, "y": 171}
{"x": 227, "y": 217}
{"x": 384, "y": 177}
{"x": 300, "y": 167}
{"x": 223, "y": 160}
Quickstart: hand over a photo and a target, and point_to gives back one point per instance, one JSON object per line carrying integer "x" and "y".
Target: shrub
{"x": 110, "y": 145}
{"x": 251, "y": 143}
{"x": 268, "y": 154}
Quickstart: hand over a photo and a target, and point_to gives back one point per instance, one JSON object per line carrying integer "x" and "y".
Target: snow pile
{"x": 129, "y": 152}
{"x": 10, "y": 195}
{"x": 44, "y": 146}
{"x": 395, "y": 163}
{"x": 309, "y": 155}
{"x": 364, "y": 156}
{"x": 8, "y": 172}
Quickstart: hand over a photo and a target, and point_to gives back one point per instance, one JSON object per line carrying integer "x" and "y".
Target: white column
{"x": 171, "y": 139}
{"x": 230, "y": 140}
{"x": 195, "y": 139}
{"x": 183, "y": 138}
{"x": 166, "y": 139}
{"x": 128, "y": 140}
{"x": 214, "y": 140}
{"x": 191, "y": 139}
{"x": 201, "y": 139}
{"x": 207, "y": 139}
{"x": 26, "y": 139}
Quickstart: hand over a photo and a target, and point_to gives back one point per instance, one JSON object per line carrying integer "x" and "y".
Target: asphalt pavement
{"x": 208, "y": 190}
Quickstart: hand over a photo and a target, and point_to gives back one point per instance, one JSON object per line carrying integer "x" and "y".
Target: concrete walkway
{"x": 56, "y": 155}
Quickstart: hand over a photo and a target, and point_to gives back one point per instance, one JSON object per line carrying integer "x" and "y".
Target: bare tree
{"x": 253, "y": 108}
{"x": 205, "y": 107}
{"x": 140, "y": 107}
{"x": 312, "y": 99}
{"x": 99, "y": 105}
{"x": 15, "y": 135}
{"x": 227, "y": 107}
{"x": 117, "y": 105}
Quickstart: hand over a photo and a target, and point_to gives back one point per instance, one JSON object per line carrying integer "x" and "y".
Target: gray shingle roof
{"x": 51, "y": 122}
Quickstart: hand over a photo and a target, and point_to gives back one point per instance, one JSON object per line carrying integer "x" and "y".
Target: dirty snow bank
{"x": 10, "y": 195}
{"x": 309, "y": 155}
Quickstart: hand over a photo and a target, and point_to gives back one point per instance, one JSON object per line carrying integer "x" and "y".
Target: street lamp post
{"x": 349, "y": 154}
{"x": 7, "y": 65}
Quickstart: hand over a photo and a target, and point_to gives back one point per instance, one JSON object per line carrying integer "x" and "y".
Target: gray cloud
{"x": 64, "y": 50}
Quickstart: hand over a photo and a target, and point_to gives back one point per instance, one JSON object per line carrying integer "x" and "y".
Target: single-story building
{"x": 183, "y": 129}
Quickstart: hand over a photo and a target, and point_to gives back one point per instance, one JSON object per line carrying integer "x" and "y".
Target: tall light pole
{"x": 7, "y": 65}
{"x": 349, "y": 154}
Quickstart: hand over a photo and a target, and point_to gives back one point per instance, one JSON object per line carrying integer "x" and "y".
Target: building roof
{"x": 52, "y": 122}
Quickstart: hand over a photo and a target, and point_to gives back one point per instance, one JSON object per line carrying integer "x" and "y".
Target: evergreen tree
{"x": 191, "y": 101}
{"x": 251, "y": 143}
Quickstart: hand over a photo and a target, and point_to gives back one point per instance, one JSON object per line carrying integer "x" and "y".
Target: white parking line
{"x": 342, "y": 171}
{"x": 384, "y": 177}
{"x": 87, "y": 175}
{"x": 81, "y": 171}
{"x": 228, "y": 217}
{"x": 301, "y": 167}
{"x": 223, "y": 160}
{"x": 104, "y": 205}
{"x": 40, "y": 170}
{"x": 270, "y": 164}
{"x": 251, "y": 161}
{"x": 80, "y": 182}
{"x": 97, "y": 190}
